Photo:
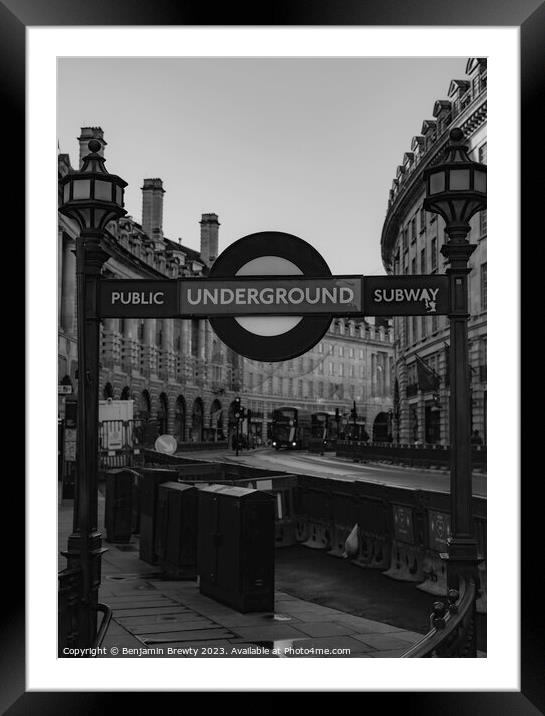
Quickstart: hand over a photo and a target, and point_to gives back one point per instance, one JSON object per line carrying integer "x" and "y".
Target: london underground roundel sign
{"x": 289, "y": 260}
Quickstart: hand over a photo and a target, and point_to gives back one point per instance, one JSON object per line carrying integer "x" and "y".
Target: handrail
{"x": 104, "y": 624}
{"x": 452, "y": 626}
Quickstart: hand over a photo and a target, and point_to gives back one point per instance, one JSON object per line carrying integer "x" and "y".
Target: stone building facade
{"x": 181, "y": 377}
{"x": 352, "y": 363}
{"x": 411, "y": 242}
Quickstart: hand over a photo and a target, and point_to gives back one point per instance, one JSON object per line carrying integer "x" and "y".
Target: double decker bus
{"x": 291, "y": 428}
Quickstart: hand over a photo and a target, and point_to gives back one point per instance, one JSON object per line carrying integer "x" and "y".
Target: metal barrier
{"x": 413, "y": 455}
{"x": 210, "y": 445}
{"x": 120, "y": 443}
{"x": 400, "y": 531}
{"x": 452, "y": 626}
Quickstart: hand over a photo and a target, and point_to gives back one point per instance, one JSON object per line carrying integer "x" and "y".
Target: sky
{"x": 305, "y": 146}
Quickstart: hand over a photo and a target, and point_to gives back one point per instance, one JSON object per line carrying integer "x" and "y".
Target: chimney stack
{"x": 152, "y": 209}
{"x": 209, "y": 238}
{"x": 88, "y": 133}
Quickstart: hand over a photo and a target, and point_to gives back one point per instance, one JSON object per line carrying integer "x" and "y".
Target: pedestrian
{"x": 476, "y": 439}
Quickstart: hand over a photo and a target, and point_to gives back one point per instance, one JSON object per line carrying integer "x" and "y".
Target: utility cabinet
{"x": 150, "y": 479}
{"x": 236, "y": 545}
{"x": 118, "y": 508}
{"x": 176, "y": 530}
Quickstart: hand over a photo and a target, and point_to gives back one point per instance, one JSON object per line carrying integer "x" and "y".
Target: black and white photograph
{"x": 278, "y": 430}
{"x": 268, "y": 314}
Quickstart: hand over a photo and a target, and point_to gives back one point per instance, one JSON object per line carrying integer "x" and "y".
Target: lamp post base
{"x": 86, "y": 586}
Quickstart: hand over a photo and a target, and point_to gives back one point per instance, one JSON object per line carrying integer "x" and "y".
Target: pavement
{"x": 154, "y": 617}
{"x": 329, "y": 465}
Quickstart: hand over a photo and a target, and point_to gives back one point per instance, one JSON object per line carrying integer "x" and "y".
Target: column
{"x": 169, "y": 362}
{"x": 131, "y": 351}
{"x": 150, "y": 352}
{"x": 109, "y": 350}
{"x": 187, "y": 356}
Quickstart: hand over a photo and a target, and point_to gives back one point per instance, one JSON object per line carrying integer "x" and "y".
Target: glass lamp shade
{"x": 455, "y": 189}
{"x": 92, "y": 196}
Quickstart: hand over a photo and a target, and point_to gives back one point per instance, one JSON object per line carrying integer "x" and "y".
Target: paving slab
{"x": 188, "y": 636}
{"x": 383, "y": 642}
{"x": 330, "y": 642}
{"x": 130, "y": 622}
{"x": 167, "y": 627}
{"x": 325, "y": 629}
{"x": 388, "y": 654}
{"x": 146, "y": 611}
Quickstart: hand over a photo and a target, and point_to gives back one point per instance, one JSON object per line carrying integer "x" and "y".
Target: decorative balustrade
{"x": 452, "y": 631}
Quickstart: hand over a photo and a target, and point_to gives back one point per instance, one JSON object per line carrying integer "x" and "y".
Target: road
{"x": 329, "y": 465}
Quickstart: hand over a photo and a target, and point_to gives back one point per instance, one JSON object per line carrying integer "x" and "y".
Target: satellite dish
{"x": 166, "y": 444}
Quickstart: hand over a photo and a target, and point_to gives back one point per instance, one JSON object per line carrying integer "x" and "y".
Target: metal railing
{"x": 69, "y": 599}
{"x": 452, "y": 626}
{"x": 120, "y": 442}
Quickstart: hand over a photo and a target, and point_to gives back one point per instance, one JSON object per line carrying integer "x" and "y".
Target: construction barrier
{"x": 402, "y": 532}
{"x": 427, "y": 455}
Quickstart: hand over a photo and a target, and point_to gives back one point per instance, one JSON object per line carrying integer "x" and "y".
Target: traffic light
{"x": 238, "y": 409}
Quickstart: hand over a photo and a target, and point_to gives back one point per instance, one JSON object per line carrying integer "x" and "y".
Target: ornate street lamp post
{"x": 92, "y": 197}
{"x": 456, "y": 190}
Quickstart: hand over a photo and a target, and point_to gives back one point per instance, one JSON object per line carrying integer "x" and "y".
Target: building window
{"x": 424, "y": 326}
{"x": 250, "y": 381}
{"x": 361, "y": 353}
{"x": 331, "y": 369}
{"x": 423, "y": 267}
{"x": 413, "y": 266}
{"x": 320, "y": 390}
{"x": 434, "y": 324}
{"x": 405, "y": 239}
{"x": 300, "y": 388}
{"x": 415, "y": 329}
{"x": 320, "y": 348}
{"x": 483, "y": 287}
{"x": 352, "y": 371}
{"x": 290, "y": 386}
{"x": 341, "y": 351}
{"x": 351, "y": 352}
{"x": 434, "y": 254}
{"x": 341, "y": 370}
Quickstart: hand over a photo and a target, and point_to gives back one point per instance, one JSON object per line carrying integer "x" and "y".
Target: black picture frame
{"x": 529, "y": 15}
